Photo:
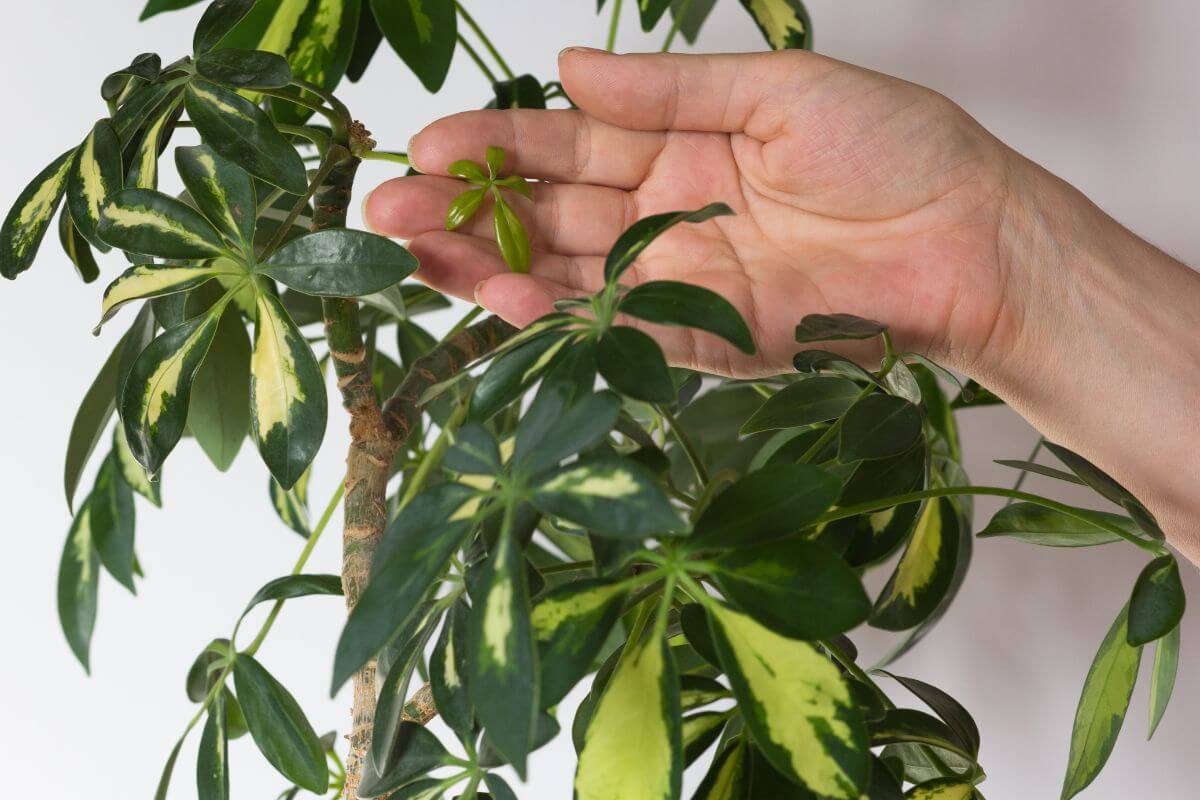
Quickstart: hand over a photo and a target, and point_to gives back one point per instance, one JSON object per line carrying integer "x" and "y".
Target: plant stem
{"x": 433, "y": 458}
{"x": 483, "y": 37}
{"x": 461, "y": 325}
{"x": 383, "y": 155}
{"x": 612, "y": 26}
{"x": 484, "y": 68}
{"x": 323, "y": 171}
{"x": 693, "y": 456}
{"x": 312, "y": 134}
{"x": 1020, "y": 481}
{"x": 676, "y": 18}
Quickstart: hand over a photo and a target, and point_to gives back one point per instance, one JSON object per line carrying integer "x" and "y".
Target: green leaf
{"x": 241, "y": 132}
{"x": 112, "y": 523}
{"x": 771, "y": 503}
{"x": 1046, "y": 526}
{"x": 78, "y": 581}
{"x": 957, "y": 719}
{"x": 1158, "y": 601}
{"x": 545, "y": 438}
{"x": 910, "y": 725}
{"x": 511, "y": 237}
{"x": 474, "y": 451}
{"x": 513, "y": 372}
{"x": 1040, "y": 469}
{"x": 164, "y": 780}
{"x": 942, "y": 789}
{"x": 156, "y": 280}
{"x": 279, "y": 727}
{"x": 292, "y": 504}
{"x": 1162, "y": 683}
{"x": 523, "y": 91}
{"x": 796, "y": 704}
{"x": 633, "y": 364}
{"x": 693, "y": 621}
{"x": 784, "y": 23}
{"x": 639, "y": 236}
{"x": 885, "y": 477}
{"x": 807, "y": 402}
{"x": 831, "y": 327}
{"x": 403, "y": 656}
{"x": 223, "y": 192}
{"x": 151, "y": 223}
{"x": 96, "y": 175}
{"x": 571, "y": 624}
{"x": 340, "y": 263}
{"x": 131, "y": 472}
{"x": 728, "y": 776}
{"x": 407, "y": 564}
{"x": 415, "y": 753}
{"x": 142, "y": 171}
{"x": 292, "y": 586}
{"x": 924, "y": 573}
{"x": 494, "y": 157}
{"x": 154, "y": 7}
{"x": 632, "y": 749}
{"x": 651, "y": 12}
{"x": 245, "y": 69}
{"x": 502, "y": 668}
{"x": 823, "y": 360}
{"x": 219, "y": 412}
{"x": 212, "y": 761}
{"x": 690, "y": 16}
{"x": 1092, "y": 475}
{"x": 423, "y": 34}
{"x": 498, "y": 788}
{"x": 141, "y": 105}
{"x": 617, "y": 498}
{"x": 463, "y": 207}
{"x": 468, "y": 170}
{"x": 154, "y": 402}
{"x": 288, "y": 407}
{"x": 30, "y": 216}
{"x": 77, "y": 248}
{"x": 878, "y": 426}
{"x": 688, "y": 306}
{"x": 218, "y": 19}
{"x": 795, "y": 587}
{"x": 448, "y": 671}
{"x": 320, "y": 49}
{"x": 1102, "y": 707}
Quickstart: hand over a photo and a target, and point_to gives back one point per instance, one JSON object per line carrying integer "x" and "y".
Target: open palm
{"x": 854, "y": 192}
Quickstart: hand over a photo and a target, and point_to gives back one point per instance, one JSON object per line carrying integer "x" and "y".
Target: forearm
{"x": 1105, "y": 351}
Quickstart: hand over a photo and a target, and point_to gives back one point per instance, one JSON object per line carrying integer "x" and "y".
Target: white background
{"x": 1103, "y": 93}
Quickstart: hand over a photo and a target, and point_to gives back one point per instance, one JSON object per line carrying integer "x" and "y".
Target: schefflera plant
{"x": 568, "y": 507}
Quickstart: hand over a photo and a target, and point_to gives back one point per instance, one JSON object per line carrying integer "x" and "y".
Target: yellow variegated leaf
{"x": 925, "y": 571}
{"x": 784, "y": 23}
{"x": 152, "y": 223}
{"x": 728, "y": 777}
{"x": 156, "y": 280}
{"x": 95, "y": 177}
{"x": 133, "y": 472}
{"x": 632, "y": 749}
{"x": 143, "y": 172}
{"x": 571, "y": 624}
{"x": 287, "y": 394}
{"x": 796, "y": 703}
{"x": 30, "y": 216}
{"x": 942, "y": 789}
{"x": 292, "y": 504}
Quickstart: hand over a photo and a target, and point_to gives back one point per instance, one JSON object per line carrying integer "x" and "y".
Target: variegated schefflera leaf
{"x": 925, "y": 570}
{"x": 26, "y": 223}
{"x": 785, "y": 24}
{"x": 96, "y": 176}
{"x": 571, "y": 624}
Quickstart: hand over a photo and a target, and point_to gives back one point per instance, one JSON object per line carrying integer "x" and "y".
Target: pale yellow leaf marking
{"x": 919, "y": 563}
{"x": 549, "y": 614}
{"x": 543, "y": 360}
{"x": 449, "y": 669}
{"x": 165, "y": 378}
{"x": 219, "y": 104}
{"x": 81, "y": 545}
{"x": 596, "y": 482}
{"x": 317, "y": 49}
{"x": 132, "y": 216}
{"x": 497, "y": 614}
{"x": 279, "y": 33}
{"x": 91, "y": 178}
{"x": 627, "y": 750}
{"x": 778, "y": 19}
{"x": 40, "y": 206}
{"x": 276, "y": 385}
{"x": 147, "y": 155}
{"x": 728, "y": 777}
{"x": 421, "y": 21}
{"x": 794, "y": 685}
{"x": 148, "y": 280}
{"x": 209, "y": 165}
{"x": 954, "y": 791}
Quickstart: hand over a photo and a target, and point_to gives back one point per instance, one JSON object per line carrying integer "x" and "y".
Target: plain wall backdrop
{"x": 1103, "y": 93}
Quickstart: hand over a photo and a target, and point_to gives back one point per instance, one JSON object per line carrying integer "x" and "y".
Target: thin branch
{"x": 487, "y": 42}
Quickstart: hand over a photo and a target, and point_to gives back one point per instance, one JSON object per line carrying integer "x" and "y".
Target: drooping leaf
{"x": 423, "y": 34}
{"x": 1102, "y": 707}
{"x": 1158, "y": 601}
{"x": 447, "y": 673}
{"x": 96, "y": 175}
{"x": 298, "y": 585}
{"x": 825, "y": 361}
{"x": 688, "y": 306}
{"x": 651, "y": 12}
{"x": 728, "y": 776}
{"x": 340, "y": 263}
{"x": 241, "y": 132}
{"x": 164, "y": 779}
{"x": 798, "y": 588}
{"x": 77, "y": 248}
{"x": 523, "y": 91}
{"x": 957, "y": 719}
{"x": 796, "y": 704}
{"x": 1092, "y": 475}
{"x": 143, "y": 104}
{"x": 406, "y": 565}
{"x": 288, "y": 407}
{"x": 402, "y": 660}
{"x": 142, "y": 172}
{"x": 219, "y": 412}
{"x": 154, "y": 7}
{"x": 511, "y": 237}
{"x": 131, "y": 472}
{"x": 292, "y": 504}
{"x": 770, "y": 503}
{"x": 1046, "y": 526}
{"x": 571, "y": 624}
{"x": 784, "y": 23}
{"x": 218, "y": 19}
{"x": 633, "y": 749}
{"x": 223, "y": 192}
{"x": 415, "y": 753}
{"x": 152, "y": 223}
{"x": 830, "y": 327}
{"x": 212, "y": 760}
{"x": 279, "y": 727}
{"x": 910, "y": 725}
{"x": 616, "y": 498}
{"x": 639, "y": 236}
{"x": 154, "y": 402}
{"x": 924, "y": 573}
{"x": 942, "y": 789}
{"x": 633, "y": 364}
{"x": 155, "y": 280}
{"x": 78, "y": 582}
{"x": 244, "y": 69}
{"x": 502, "y": 671}
{"x": 112, "y": 523}
{"x": 806, "y": 402}
{"x": 878, "y": 426}
{"x": 1162, "y": 684}
{"x": 30, "y": 216}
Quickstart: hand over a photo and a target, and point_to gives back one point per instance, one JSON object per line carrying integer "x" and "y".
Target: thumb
{"x": 675, "y": 91}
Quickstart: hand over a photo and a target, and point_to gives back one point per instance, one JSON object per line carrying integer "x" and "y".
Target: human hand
{"x": 855, "y": 192}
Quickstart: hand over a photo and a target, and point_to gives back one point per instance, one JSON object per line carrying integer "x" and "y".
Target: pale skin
{"x": 855, "y": 192}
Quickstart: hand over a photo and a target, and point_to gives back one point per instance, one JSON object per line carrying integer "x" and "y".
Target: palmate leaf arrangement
{"x": 697, "y": 546}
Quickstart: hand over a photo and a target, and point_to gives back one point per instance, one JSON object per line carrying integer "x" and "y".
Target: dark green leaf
{"x": 806, "y": 402}
{"x": 688, "y": 306}
{"x": 771, "y": 503}
{"x": 910, "y": 725}
{"x": 154, "y": 7}
{"x": 1040, "y": 469}
{"x": 78, "y": 581}
{"x": 542, "y": 442}
{"x": 1166, "y": 665}
{"x": 474, "y": 451}
{"x": 616, "y": 498}
{"x": 340, "y": 263}
{"x": 291, "y": 586}
{"x": 690, "y": 16}
{"x": 241, "y": 132}
{"x": 784, "y": 23}
{"x": 639, "y": 235}
{"x": 878, "y": 426}
{"x": 498, "y": 788}
{"x": 164, "y": 780}
{"x": 279, "y": 727}
{"x": 96, "y": 175}
{"x": 1046, "y": 526}
{"x": 447, "y": 673}
{"x": 728, "y": 776}
{"x": 151, "y": 223}
{"x": 1157, "y": 603}
{"x": 292, "y": 504}
{"x": 212, "y": 761}
{"x": 957, "y": 719}
{"x": 571, "y": 624}
{"x": 513, "y": 372}
{"x": 76, "y": 247}
{"x": 112, "y": 523}
{"x": 245, "y": 69}
{"x": 415, "y": 753}
{"x": 222, "y": 191}
{"x": 219, "y": 411}
{"x": 633, "y": 364}
{"x": 831, "y": 327}
{"x": 423, "y": 35}
{"x": 699, "y": 733}
{"x": 219, "y": 19}
{"x": 651, "y": 12}
{"x": 523, "y": 91}
{"x": 796, "y": 587}
{"x": 925, "y": 573}
{"x": 885, "y": 477}
{"x": 693, "y": 621}
{"x": 366, "y": 42}
{"x": 823, "y": 360}
{"x": 30, "y": 216}
{"x": 132, "y": 473}
{"x": 407, "y": 564}
{"x": 389, "y": 712}
{"x": 1090, "y": 474}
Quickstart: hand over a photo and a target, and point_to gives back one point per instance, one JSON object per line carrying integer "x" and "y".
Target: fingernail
{"x": 578, "y": 49}
{"x": 411, "y": 161}
{"x": 363, "y": 210}
{"x": 478, "y": 291}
